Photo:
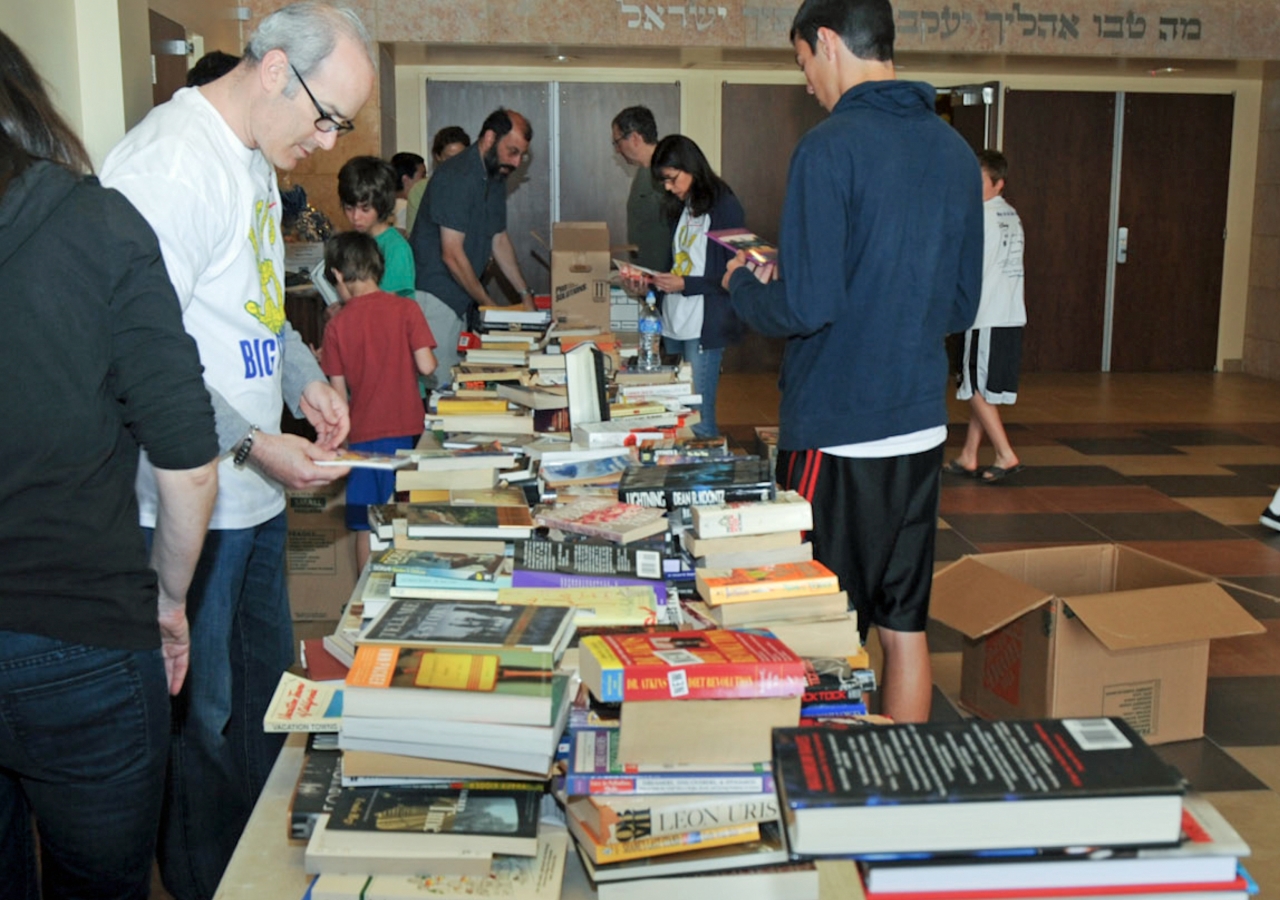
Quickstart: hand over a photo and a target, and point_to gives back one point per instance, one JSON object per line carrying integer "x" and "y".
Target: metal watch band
{"x": 244, "y": 448}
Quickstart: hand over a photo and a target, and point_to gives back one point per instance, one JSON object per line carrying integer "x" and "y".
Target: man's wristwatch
{"x": 527, "y": 292}
{"x": 244, "y": 448}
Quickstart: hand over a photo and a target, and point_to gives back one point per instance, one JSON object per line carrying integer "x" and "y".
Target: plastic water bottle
{"x": 649, "y": 358}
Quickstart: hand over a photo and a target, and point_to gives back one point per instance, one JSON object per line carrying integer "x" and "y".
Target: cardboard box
{"x": 320, "y": 552}
{"x": 580, "y": 273}
{"x": 1095, "y": 630}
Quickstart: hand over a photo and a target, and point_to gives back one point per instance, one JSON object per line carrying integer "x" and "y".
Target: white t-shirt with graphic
{"x": 215, "y": 207}
{"x": 1001, "y": 304}
{"x": 681, "y": 313}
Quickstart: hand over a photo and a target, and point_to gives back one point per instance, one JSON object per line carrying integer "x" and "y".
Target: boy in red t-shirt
{"x": 374, "y": 349}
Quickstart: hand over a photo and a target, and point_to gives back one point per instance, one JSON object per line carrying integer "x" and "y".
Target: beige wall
{"x": 1262, "y": 332}
{"x": 701, "y": 116}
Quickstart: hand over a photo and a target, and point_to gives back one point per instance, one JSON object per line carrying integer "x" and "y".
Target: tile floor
{"x": 1176, "y": 465}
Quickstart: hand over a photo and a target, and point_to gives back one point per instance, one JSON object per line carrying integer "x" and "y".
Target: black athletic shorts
{"x": 874, "y": 524}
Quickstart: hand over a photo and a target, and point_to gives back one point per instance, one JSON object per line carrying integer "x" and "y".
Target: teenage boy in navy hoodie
{"x": 881, "y": 258}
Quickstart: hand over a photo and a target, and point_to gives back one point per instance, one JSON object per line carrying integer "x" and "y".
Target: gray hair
{"x": 307, "y": 33}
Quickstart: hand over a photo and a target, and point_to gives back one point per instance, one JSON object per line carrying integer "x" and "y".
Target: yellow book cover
{"x": 456, "y": 406}
{"x": 603, "y": 852}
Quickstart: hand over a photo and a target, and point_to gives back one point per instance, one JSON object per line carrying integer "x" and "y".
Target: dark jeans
{"x": 219, "y": 759}
{"x": 83, "y": 739}
{"x": 706, "y": 378}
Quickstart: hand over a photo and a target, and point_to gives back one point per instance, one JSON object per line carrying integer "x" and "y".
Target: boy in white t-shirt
{"x": 993, "y": 347}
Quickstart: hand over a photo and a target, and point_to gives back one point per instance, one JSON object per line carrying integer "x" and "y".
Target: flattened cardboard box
{"x": 1097, "y": 630}
{"x": 319, "y": 552}
{"x": 580, "y": 261}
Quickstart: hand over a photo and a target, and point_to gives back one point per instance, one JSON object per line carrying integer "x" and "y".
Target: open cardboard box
{"x": 1096, "y": 630}
{"x": 580, "y": 264}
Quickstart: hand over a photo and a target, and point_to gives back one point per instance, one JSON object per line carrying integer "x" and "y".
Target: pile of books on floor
{"x": 667, "y": 787}
{"x": 1020, "y": 809}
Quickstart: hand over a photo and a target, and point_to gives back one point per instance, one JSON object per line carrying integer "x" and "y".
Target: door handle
{"x": 1122, "y": 245}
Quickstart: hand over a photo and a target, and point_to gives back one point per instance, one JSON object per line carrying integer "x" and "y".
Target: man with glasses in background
{"x": 635, "y": 135}
{"x": 461, "y": 223}
{"x": 201, "y": 169}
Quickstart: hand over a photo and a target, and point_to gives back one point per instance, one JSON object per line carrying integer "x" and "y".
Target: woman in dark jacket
{"x": 697, "y": 320}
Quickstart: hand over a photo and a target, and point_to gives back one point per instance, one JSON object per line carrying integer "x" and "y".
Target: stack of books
{"x": 474, "y": 467}
{"x": 671, "y": 779}
{"x": 1019, "y": 809}
{"x": 426, "y": 573}
{"x": 460, "y": 681}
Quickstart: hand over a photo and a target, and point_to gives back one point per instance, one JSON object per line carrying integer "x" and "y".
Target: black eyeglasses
{"x": 327, "y": 123}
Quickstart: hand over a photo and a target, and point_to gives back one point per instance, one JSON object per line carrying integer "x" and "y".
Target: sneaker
{"x": 1270, "y": 519}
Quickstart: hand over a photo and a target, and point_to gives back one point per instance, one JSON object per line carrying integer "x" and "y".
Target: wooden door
{"x": 169, "y": 50}
{"x": 762, "y": 123}
{"x": 1059, "y": 145}
{"x": 1173, "y": 200}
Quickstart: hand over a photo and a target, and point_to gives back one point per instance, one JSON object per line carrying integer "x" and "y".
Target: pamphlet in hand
{"x": 758, "y": 250}
{"x": 358, "y": 459}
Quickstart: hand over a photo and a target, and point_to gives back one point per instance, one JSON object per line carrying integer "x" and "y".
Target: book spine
{"x": 641, "y": 819}
{"x": 720, "y": 523}
{"x": 673, "y": 498}
{"x": 602, "y": 785}
{"x": 708, "y": 681}
{"x": 588, "y": 559}
{"x": 768, "y": 590}
{"x": 674, "y": 843}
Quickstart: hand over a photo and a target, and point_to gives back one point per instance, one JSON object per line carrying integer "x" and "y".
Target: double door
{"x": 1123, "y": 198}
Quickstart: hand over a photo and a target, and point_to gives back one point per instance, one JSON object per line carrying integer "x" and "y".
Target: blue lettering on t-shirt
{"x": 259, "y": 357}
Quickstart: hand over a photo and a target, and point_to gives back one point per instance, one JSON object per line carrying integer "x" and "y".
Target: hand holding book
{"x": 764, "y": 272}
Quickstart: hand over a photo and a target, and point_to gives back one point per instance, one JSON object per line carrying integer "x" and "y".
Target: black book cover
{"x": 319, "y": 785}
{"x": 698, "y": 484}
{"x": 507, "y": 812}
{"x": 590, "y": 557}
{"x": 479, "y": 624}
{"x": 968, "y": 760}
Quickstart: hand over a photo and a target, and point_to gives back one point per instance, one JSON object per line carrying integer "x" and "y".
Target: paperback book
{"x": 715, "y": 481}
{"x": 300, "y": 704}
{"x": 973, "y": 785}
{"x": 605, "y": 518}
{"x": 595, "y": 767}
{"x": 482, "y": 567}
{"x": 769, "y": 849}
{"x": 740, "y": 240}
{"x": 601, "y": 852}
{"x": 589, "y": 557}
{"x": 511, "y": 877}
{"x": 484, "y": 821}
{"x": 525, "y": 636}
{"x": 799, "y": 579}
{"x": 668, "y": 605}
{"x": 788, "y": 512}
{"x": 696, "y": 665}
{"x": 359, "y": 459}
{"x": 622, "y": 819}
{"x": 445, "y": 520}
{"x": 319, "y": 784}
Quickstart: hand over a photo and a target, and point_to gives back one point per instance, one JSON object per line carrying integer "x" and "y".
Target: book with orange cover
{"x": 793, "y": 579}
{"x": 697, "y": 665}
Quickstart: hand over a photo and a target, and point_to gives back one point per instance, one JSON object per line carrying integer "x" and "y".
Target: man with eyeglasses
{"x": 461, "y": 223}
{"x": 635, "y": 135}
{"x": 201, "y": 169}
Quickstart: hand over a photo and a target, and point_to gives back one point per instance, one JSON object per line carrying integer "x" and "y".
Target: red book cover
{"x": 320, "y": 664}
{"x": 695, "y": 665}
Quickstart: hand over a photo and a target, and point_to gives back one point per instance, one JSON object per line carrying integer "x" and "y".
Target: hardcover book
{"x": 605, "y": 518}
{"x": 390, "y": 681}
{"x": 798, "y": 579}
{"x": 483, "y": 821}
{"x": 526, "y": 636}
{"x": 787, "y": 512}
{"x": 700, "y": 665}
{"x": 696, "y": 484}
{"x": 973, "y": 785}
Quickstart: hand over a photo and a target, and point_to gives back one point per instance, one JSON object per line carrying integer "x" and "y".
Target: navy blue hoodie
{"x": 880, "y": 259}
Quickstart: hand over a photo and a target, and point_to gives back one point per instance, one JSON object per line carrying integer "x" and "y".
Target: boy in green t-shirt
{"x": 367, "y": 190}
